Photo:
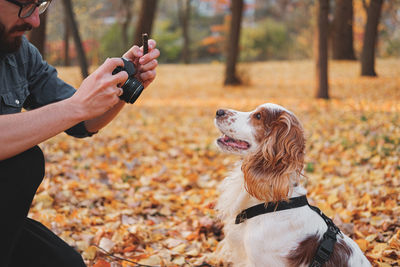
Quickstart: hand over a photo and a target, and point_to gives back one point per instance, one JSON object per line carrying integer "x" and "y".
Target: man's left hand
{"x": 146, "y": 64}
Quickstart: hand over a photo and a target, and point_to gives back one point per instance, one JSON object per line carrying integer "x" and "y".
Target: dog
{"x": 271, "y": 141}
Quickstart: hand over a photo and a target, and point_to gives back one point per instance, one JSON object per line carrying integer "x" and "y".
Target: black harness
{"x": 327, "y": 244}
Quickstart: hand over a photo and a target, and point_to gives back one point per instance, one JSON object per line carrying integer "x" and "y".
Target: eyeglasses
{"x": 27, "y": 8}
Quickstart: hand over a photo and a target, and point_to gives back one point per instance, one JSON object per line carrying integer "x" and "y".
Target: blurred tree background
{"x": 229, "y": 31}
{"x": 271, "y": 30}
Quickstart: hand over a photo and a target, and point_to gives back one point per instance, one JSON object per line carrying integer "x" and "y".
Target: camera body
{"x": 132, "y": 88}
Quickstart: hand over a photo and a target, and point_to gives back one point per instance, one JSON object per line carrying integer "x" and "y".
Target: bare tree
{"x": 342, "y": 31}
{"x": 322, "y": 49}
{"x": 77, "y": 39}
{"x": 184, "y": 16}
{"x": 231, "y": 77}
{"x": 370, "y": 38}
{"x": 146, "y": 19}
{"x": 67, "y": 33}
{"x": 38, "y": 35}
{"x": 126, "y": 6}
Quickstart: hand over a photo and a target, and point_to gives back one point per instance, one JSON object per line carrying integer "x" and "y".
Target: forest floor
{"x": 144, "y": 187}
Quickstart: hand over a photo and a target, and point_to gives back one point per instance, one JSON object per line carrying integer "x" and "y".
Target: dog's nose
{"x": 220, "y": 112}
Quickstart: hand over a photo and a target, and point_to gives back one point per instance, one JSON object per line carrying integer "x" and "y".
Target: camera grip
{"x": 129, "y": 67}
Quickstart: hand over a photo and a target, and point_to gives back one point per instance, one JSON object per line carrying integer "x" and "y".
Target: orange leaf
{"x": 129, "y": 248}
{"x": 102, "y": 263}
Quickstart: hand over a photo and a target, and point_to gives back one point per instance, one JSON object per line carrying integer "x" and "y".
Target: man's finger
{"x": 153, "y": 54}
{"x": 119, "y": 91}
{"x": 152, "y": 44}
{"x": 111, "y": 63}
{"x": 148, "y": 75}
{"x": 134, "y": 52}
{"x": 149, "y": 66}
{"x": 120, "y": 78}
{"x": 147, "y": 82}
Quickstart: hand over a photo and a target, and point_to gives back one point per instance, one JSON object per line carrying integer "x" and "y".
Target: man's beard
{"x": 10, "y": 44}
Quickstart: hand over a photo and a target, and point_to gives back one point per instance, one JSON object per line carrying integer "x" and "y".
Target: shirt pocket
{"x": 12, "y": 100}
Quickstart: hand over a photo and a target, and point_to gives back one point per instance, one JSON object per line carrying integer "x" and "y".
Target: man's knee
{"x": 72, "y": 258}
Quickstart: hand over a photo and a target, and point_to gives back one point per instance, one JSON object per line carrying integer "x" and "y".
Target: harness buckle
{"x": 333, "y": 228}
{"x": 331, "y": 233}
{"x": 325, "y": 249}
{"x": 241, "y": 217}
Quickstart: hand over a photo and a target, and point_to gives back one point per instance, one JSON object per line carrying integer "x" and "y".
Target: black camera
{"x": 132, "y": 88}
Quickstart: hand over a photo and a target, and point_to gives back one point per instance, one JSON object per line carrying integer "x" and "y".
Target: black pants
{"x": 23, "y": 241}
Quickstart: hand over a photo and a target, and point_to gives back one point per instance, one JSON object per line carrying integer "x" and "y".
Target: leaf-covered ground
{"x": 144, "y": 188}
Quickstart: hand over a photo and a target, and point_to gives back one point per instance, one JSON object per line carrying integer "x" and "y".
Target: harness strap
{"x": 327, "y": 244}
{"x": 263, "y": 208}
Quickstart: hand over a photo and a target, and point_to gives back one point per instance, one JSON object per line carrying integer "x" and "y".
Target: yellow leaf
{"x": 179, "y": 260}
{"x": 363, "y": 244}
{"x": 89, "y": 253}
{"x": 180, "y": 248}
{"x": 152, "y": 260}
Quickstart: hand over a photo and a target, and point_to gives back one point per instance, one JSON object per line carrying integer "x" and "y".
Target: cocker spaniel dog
{"x": 267, "y": 218}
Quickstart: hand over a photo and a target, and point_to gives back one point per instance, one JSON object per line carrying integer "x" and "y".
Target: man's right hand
{"x": 99, "y": 92}
{"x": 95, "y": 102}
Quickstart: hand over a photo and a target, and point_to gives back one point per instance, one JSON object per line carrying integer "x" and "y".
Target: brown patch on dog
{"x": 307, "y": 248}
{"x": 264, "y": 124}
{"x": 268, "y": 171}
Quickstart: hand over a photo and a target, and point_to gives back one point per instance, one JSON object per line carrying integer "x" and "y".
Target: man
{"x": 52, "y": 107}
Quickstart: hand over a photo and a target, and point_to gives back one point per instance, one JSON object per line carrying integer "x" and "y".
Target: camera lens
{"x": 132, "y": 88}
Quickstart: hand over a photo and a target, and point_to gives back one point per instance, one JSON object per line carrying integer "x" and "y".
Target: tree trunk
{"x": 370, "y": 38}
{"x": 38, "y": 35}
{"x": 145, "y": 23}
{"x": 66, "y": 41}
{"x": 233, "y": 43}
{"x": 77, "y": 39}
{"x": 184, "y": 15}
{"x": 127, "y": 10}
{"x": 342, "y": 31}
{"x": 322, "y": 49}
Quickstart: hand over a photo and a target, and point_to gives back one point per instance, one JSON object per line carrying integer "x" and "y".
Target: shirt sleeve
{"x": 45, "y": 88}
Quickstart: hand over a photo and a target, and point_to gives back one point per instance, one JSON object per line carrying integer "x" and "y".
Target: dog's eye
{"x": 257, "y": 115}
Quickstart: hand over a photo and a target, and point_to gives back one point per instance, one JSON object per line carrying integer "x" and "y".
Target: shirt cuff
{"x": 79, "y": 131}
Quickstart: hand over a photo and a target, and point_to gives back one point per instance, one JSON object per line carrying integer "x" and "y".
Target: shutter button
{"x": 17, "y": 101}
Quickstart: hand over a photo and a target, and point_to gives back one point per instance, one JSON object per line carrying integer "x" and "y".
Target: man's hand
{"x": 99, "y": 92}
{"x": 97, "y": 100}
{"x": 146, "y": 64}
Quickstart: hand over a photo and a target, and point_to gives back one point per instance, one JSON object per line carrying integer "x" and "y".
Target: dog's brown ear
{"x": 280, "y": 157}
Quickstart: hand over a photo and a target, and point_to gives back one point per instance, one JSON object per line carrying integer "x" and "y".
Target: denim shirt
{"x": 27, "y": 81}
